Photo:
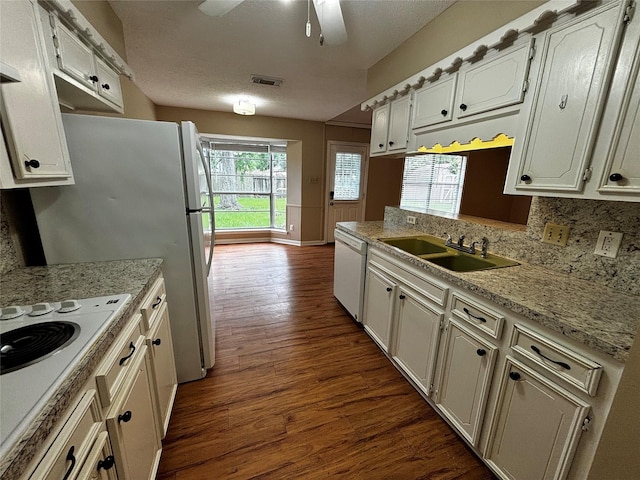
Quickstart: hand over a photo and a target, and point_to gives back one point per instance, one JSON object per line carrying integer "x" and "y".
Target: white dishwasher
{"x": 349, "y": 272}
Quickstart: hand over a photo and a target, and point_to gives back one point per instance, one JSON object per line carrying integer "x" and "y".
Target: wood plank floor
{"x": 299, "y": 390}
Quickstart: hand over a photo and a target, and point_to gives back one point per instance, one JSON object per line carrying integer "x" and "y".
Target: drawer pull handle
{"x": 157, "y": 302}
{"x": 157, "y": 341}
{"x": 514, "y": 376}
{"x": 481, "y": 352}
{"x": 561, "y": 364}
{"x": 107, "y": 463}
{"x": 132, "y": 347}
{"x": 466, "y": 310}
{"x": 70, "y": 458}
{"x": 125, "y": 417}
{"x": 389, "y": 289}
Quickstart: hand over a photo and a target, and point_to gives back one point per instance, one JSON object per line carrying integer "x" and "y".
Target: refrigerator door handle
{"x": 209, "y": 210}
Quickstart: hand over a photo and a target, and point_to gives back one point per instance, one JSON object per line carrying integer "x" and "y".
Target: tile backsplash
{"x": 585, "y": 218}
{"x": 8, "y": 255}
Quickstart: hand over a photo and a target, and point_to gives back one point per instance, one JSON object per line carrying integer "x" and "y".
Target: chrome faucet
{"x": 483, "y": 246}
{"x": 461, "y": 240}
{"x": 459, "y": 245}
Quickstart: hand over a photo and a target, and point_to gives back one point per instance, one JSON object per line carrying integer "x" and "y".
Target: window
{"x": 347, "y": 176}
{"x": 249, "y": 183}
{"x": 433, "y": 182}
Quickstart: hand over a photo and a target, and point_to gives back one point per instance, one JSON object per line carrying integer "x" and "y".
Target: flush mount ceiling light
{"x": 329, "y": 13}
{"x": 242, "y": 107}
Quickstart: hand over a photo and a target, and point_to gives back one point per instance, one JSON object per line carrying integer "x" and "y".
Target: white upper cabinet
{"x": 83, "y": 79}
{"x": 390, "y": 127}
{"x": 433, "y": 103}
{"x": 31, "y": 121}
{"x": 555, "y": 140}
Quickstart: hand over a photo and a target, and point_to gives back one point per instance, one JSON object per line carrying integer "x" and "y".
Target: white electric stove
{"x": 40, "y": 345}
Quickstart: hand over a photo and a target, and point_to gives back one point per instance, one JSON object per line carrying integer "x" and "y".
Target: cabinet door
{"x": 399, "y": 124}
{"x": 433, "y": 104}
{"x": 31, "y": 120}
{"x": 74, "y": 57}
{"x": 537, "y": 426}
{"x": 417, "y": 338}
{"x": 100, "y": 463}
{"x": 378, "y": 307}
{"x": 569, "y": 94}
{"x": 164, "y": 368}
{"x": 108, "y": 83}
{"x": 466, "y": 375}
{"x": 132, "y": 427}
{"x": 380, "y": 129}
{"x": 494, "y": 83}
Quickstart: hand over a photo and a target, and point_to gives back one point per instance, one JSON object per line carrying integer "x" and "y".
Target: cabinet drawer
{"x": 557, "y": 359}
{"x": 73, "y": 443}
{"x": 152, "y": 304}
{"x": 412, "y": 277}
{"x": 112, "y": 371}
{"x": 477, "y": 315}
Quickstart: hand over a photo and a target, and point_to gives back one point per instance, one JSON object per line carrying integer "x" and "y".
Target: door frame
{"x": 329, "y": 178}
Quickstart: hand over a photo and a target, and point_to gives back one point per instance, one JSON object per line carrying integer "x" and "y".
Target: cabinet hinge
{"x": 585, "y": 423}
{"x": 586, "y": 175}
{"x": 430, "y": 389}
{"x": 525, "y": 87}
{"x": 532, "y": 52}
{"x": 628, "y": 13}
{"x": 441, "y": 324}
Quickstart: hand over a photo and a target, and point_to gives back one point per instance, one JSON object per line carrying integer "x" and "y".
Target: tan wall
{"x": 384, "y": 184}
{"x": 455, "y": 28}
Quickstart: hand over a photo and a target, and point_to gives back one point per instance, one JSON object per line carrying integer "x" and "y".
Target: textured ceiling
{"x": 184, "y": 58}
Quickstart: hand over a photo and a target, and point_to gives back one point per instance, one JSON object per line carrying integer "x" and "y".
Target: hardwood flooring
{"x": 299, "y": 390}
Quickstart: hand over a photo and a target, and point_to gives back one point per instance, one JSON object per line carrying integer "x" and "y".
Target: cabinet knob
{"x": 107, "y": 463}
{"x": 481, "y": 352}
{"x": 33, "y": 163}
{"x": 105, "y": 86}
{"x": 93, "y": 78}
{"x": 463, "y": 107}
{"x": 615, "y": 177}
{"x": 444, "y": 112}
{"x": 402, "y": 297}
{"x": 391, "y": 143}
{"x": 381, "y": 145}
{"x": 389, "y": 289}
{"x": 514, "y": 376}
{"x": 125, "y": 417}
{"x": 525, "y": 178}
{"x": 157, "y": 341}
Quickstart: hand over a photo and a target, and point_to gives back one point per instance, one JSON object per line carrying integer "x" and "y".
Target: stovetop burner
{"x": 33, "y": 343}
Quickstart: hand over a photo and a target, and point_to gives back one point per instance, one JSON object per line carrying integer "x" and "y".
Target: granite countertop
{"x": 599, "y": 317}
{"x": 25, "y": 286}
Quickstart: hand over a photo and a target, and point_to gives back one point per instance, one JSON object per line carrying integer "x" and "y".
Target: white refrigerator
{"x": 142, "y": 190}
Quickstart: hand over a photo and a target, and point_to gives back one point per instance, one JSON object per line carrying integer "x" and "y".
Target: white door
{"x": 345, "y": 184}
{"x": 380, "y": 293}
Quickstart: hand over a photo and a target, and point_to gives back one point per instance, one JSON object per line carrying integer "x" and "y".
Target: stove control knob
{"x": 67, "y": 306}
{"x": 40, "y": 309}
{"x": 8, "y": 313}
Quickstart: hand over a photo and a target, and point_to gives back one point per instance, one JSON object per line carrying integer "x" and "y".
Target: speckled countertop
{"x": 24, "y": 286}
{"x": 596, "y": 316}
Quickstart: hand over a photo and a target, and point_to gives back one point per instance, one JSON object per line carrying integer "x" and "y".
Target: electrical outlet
{"x": 411, "y": 219}
{"x": 291, "y": 227}
{"x": 608, "y": 244}
{"x": 555, "y": 234}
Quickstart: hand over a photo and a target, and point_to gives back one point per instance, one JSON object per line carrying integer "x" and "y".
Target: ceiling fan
{"x": 329, "y": 13}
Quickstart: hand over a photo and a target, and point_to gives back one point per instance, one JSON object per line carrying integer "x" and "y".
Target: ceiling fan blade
{"x": 218, "y": 8}
{"x": 331, "y": 21}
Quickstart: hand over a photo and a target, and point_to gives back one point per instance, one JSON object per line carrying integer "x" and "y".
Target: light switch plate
{"x": 556, "y": 234}
{"x": 608, "y": 244}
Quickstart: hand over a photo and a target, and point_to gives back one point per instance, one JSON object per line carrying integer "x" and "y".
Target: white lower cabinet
{"x": 380, "y": 294}
{"x": 536, "y": 428}
{"x": 132, "y": 426}
{"x": 100, "y": 463}
{"x": 468, "y": 362}
{"x": 417, "y": 336}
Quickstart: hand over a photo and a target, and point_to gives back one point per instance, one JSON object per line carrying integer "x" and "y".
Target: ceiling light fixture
{"x": 242, "y": 107}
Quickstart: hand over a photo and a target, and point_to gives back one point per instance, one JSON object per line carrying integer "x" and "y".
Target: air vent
{"x": 269, "y": 81}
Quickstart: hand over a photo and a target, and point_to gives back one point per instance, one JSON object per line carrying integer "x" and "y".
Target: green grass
{"x": 254, "y": 213}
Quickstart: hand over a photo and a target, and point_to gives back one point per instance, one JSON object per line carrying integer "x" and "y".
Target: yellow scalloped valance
{"x": 476, "y": 144}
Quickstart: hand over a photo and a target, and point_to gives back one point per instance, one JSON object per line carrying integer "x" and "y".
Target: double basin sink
{"x": 433, "y": 250}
